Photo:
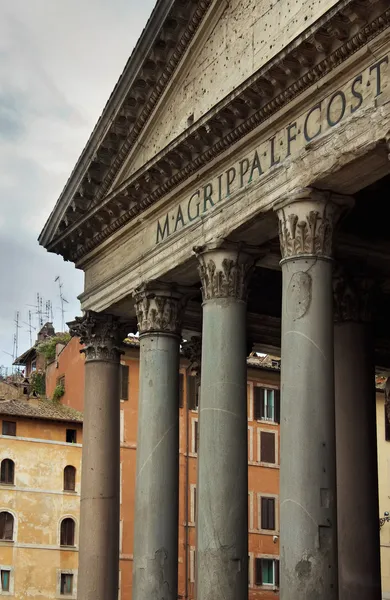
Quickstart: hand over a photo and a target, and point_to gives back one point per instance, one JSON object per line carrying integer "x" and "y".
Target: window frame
{"x": 8, "y": 460}
{"x": 274, "y": 497}
{"x": 74, "y": 573}
{"x": 74, "y": 430}
{"x": 275, "y": 571}
{"x": 12, "y": 539}
{"x": 74, "y": 470}
{"x": 194, "y": 435}
{"x": 124, "y": 368}
{"x": 193, "y": 502}
{"x": 63, "y": 519}
{"x": 10, "y": 591}
{"x": 7, "y": 422}
{"x": 275, "y": 420}
{"x": 261, "y": 430}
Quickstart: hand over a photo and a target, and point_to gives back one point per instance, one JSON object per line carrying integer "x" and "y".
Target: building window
{"x": 266, "y": 404}
{"x": 33, "y": 365}
{"x": 181, "y": 390}
{"x": 61, "y": 381}
{"x": 9, "y": 428}
{"x": 192, "y": 565}
{"x": 267, "y": 513}
{"x": 71, "y": 436}
{"x": 67, "y": 532}
{"x": 66, "y": 588}
{"x": 69, "y": 478}
{"x": 195, "y": 436}
{"x": 6, "y": 526}
{"x": 5, "y": 576}
{"x": 387, "y": 422}
{"x": 124, "y": 382}
{"x": 193, "y": 392}
{"x": 267, "y": 572}
{"x": 193, "y": 504}
{"x": 267, "y": 447}
{"x": 7, "y": 471}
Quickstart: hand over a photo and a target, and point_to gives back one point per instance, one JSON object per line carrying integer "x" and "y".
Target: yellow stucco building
{"x": 40, "y": 455}
{"x": 383, "y": 440}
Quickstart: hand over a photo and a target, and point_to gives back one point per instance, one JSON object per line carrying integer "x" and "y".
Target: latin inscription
{"x": 366, "y": 87}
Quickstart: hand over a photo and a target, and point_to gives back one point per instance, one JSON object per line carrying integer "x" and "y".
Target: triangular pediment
{"x": 202, "y": 76}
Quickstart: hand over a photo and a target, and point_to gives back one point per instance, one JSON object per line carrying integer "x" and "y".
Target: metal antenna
{"x": 16, "y": 336}
{"x": 63, "y": 301}
{"x": 30, "y": 326}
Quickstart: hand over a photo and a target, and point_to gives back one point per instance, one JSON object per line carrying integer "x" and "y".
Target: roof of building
{"x": 44, "y": 409}
{"x": 23, "y": 358}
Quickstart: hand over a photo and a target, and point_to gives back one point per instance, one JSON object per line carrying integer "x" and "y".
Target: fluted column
{"x": 99, "y": 509}
{"x": 222, "y": 489}
{"x": 308, "y": 526}
{"x": 155, "y": 567}
{"x": 357, "y": 468}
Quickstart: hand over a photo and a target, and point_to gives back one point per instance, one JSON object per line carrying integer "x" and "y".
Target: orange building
{"x": 263, "y": 463}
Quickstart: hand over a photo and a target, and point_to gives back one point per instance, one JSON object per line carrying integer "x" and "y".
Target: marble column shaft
{"x": 98, "y": 569}
{"x": 156, "y": 517}
{"x": 222, "y": 488}
{"x": 357, "y": 468}
{"x": 308, "y": 522}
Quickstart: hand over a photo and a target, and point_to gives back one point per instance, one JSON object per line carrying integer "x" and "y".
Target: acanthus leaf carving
{"x": 159, "y": 309}
{"x": 101, "y": 334}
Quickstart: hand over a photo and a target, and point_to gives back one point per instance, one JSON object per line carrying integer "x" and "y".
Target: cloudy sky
{"x": 59, "y": 60}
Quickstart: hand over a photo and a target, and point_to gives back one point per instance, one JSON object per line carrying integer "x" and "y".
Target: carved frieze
{"x": 159, "y": 309}
{"x": 352, "y": 298}
{"x": 306, "y": 222}
{"x": 101, "y": 334}
{"x": 225, "y": 272}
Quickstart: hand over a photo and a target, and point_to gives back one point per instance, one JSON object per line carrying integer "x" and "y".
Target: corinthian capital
{"x": 225, "y": 271}
{"x": 101, "y": 334}
{"x": 307, "y": 219}
{"x": 160, "y": 308}
{"x": 352, "y": 298}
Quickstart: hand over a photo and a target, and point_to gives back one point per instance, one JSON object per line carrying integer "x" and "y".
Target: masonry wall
{"x": 38, "y": 502}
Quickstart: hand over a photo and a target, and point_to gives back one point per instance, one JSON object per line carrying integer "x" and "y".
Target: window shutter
{"x": 181, "y": 390}
{"x": 277, "y": 573}
{"x": 267, "y": 447}
{"x": 124, "y": 381}
{"x": 9, "y": 428}
{"x": 196, "y": 434}
{"x": 258, "y": 404}
{"x": 6, "y": 526}
{"x": 258, "y": 572}
{"x": 277, "y": 405}
{"x": 191, "y": 392}
{"x": 267, "y": 513}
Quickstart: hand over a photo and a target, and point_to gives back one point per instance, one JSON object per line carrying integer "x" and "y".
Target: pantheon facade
{"x": 234, "y": 188}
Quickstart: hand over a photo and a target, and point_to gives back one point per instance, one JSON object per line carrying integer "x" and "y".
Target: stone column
{"x": 100, "y": 477}
{"x": 222, "y": 489}
{"x": 357, "y": 468}
{"x": 308, "y": 527}
{"x": 155, "y": 566}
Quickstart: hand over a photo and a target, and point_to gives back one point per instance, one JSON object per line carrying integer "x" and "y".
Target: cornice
{"x": 328, "y": 43}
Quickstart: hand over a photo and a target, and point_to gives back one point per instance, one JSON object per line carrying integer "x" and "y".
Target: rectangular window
{"x": 124, "y": 382}
{"x": 250, "y": 510}
{"x": 193, "y": 503}
{"x": 195, "y": 434}
{"x": 66, "y": 584}
{"x": 267, "y": 572}
{"x": 267, "y": 510}
{"x": 61, "y": 381}
{"x": 267, "y": 447}
{"x": 193, "y": 392}
{"x": 387, "y": 422}
{"x": 9, "y": 428}
{"x": 181, "y": 390}
{"x": 192, "y": 565}
{"x": 5, "y": 580}
{"x": 71, "y": 436}
{"x": 266, "y": 404}
{"x": 250, "y": 444}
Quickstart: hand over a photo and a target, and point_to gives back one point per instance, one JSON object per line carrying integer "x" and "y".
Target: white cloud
{"x": 58, "y": 64}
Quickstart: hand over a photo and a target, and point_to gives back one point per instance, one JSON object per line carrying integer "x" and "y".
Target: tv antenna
{"x": 30, "y": 326}
{"x": 63, "y": 301}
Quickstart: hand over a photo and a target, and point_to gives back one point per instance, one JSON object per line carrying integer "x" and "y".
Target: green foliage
{"x": 59, "y": 391}
{"x": 38, "y": 383}
{"x": 48, "y": 347}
